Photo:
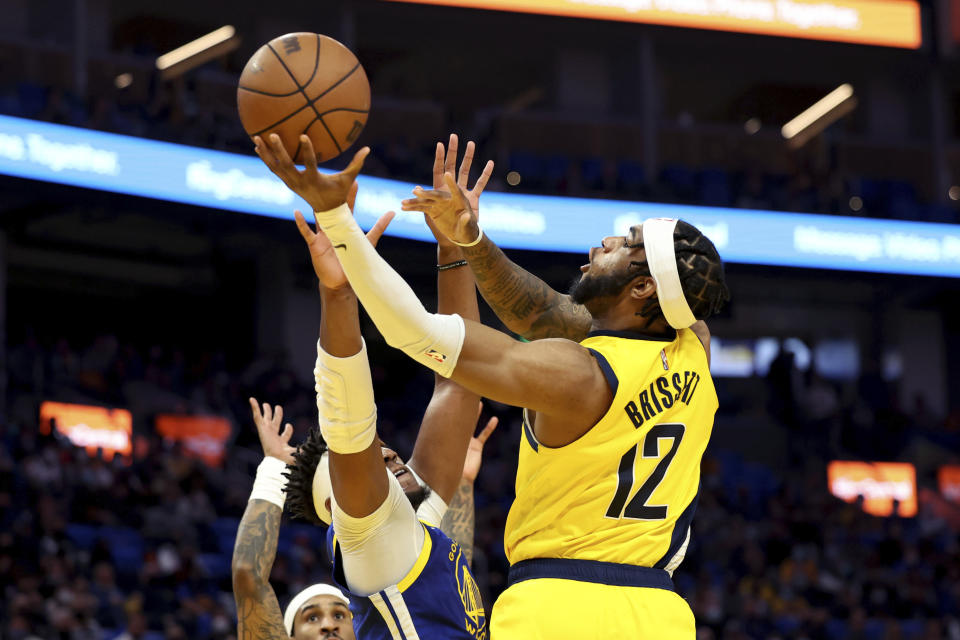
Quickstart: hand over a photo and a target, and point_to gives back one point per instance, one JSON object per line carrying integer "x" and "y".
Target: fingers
{"x": 267, "y": 412}
{"x": 287, "y": 433}
{"x": 280, "y": 153}
{"x": 450, "y": 163}
{"x": 352, "y": 195}
{"x": 256, "y": 409}
{"x": 438, "y": 166}
{"x": 487, "y": 430}
{"x": 303, "y": 227}
{"x": 278, "y": 416}
{"x": 262, "y": 150}
{"x": 376, "y": 232}
{"x": 353, "y": 169}
{"x": 464, "y": 174}
{"x": 310, "y": 156}
{"x": 455, "y": 190}
{"x": 484, "y": 178}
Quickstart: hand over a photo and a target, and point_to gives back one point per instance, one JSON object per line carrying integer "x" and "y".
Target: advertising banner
{"x": 89, "y": 427}
{"x": 878, "y": 483}
{"x": 203, "y": 437}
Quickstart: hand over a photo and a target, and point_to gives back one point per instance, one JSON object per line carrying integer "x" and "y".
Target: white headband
{"x": 662, "y": 261}
{"x": 322, "y": 489}
{"x": 321, "y": 589}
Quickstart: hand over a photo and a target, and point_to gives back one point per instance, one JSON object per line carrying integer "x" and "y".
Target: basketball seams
{"x": 268, "y": 94}
{"x": 282, "y": 120}
{"x": 328, "y": 111}
{"x": 330, "y": 133}
{"x": 311, "y": 103}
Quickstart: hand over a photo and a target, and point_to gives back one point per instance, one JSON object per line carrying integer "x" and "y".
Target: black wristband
{"x": 452, "y": 265}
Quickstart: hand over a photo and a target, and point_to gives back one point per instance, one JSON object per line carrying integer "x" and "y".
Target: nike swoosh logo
{"x": 340, "y": 246}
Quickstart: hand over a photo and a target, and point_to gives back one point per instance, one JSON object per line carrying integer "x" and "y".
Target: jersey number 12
{"x": 638, "y": 509}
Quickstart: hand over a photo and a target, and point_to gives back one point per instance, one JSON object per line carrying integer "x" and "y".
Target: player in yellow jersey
{"x": 609, "y": 470}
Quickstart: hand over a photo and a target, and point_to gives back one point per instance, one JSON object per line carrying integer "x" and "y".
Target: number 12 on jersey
{"x": 638, "y": 509}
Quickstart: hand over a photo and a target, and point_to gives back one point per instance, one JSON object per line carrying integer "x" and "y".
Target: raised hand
{"x": 471, "y": 465}
{"x": 322, "y": 255}
{"x": 276, "y": 443}
{"x": 450, "y": 209}
{"x": 322, "y": 192}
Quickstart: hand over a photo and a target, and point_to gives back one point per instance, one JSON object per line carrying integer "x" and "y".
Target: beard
{"x": 591, "y": 288}
{"x": 418, "y": 495}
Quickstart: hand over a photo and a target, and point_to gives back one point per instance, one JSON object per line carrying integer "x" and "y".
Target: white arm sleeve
{"x": 348, "y": 414}
{"x": 431, "y": 339}
{"x": 380, "y": 549}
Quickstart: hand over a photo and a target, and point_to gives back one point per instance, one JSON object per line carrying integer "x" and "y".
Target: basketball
{"x": 305, "y": 83}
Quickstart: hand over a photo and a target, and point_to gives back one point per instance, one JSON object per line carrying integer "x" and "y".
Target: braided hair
{"x": 299, "y": 476}
{"x": 701, "y": 273}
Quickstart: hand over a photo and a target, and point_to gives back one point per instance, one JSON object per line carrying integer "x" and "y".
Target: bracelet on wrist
{"x": 451, "y": 265}
{"x": 470, "y": 244}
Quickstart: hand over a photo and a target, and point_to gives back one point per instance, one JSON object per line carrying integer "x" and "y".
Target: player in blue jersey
{"x": 404, "y": 577}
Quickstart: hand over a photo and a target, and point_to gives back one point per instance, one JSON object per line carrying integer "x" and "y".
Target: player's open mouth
{"x": 399, "y": 472}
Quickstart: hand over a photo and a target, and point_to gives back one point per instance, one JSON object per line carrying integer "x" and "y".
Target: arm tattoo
{"x": 522, "y": 301}
{"x": 457, "y": 522}
{"x": 258, "y": 611}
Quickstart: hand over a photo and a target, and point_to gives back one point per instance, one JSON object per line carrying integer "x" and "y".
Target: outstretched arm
{"x": 450, "y": 418}
{"x": 557, "y": 378}
{"x": 258, "y": 612}
{"x": 524, "y": 303}
{"x": 358, "y": 479}
{"x": 458, "y": 522}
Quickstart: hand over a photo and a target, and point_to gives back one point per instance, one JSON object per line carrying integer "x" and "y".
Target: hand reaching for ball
{"x": 450, "y": 209}
{"x": 445, "y": 161}
{"x": 324, "y": 259}
{"x": 321, "y": 191}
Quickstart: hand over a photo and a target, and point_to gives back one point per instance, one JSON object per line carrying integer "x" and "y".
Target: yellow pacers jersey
{"x": 626, "y": 490}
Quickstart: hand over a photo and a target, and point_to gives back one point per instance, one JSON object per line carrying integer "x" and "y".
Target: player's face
{"x": 396, "y": 466}
{"x": 609, "y": 269}
{"x": 615, "y": 253}
{"x": 324, "y": 617}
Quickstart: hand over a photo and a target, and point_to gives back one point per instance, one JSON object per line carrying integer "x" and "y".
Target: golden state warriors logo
{"x": 475, "y": 620}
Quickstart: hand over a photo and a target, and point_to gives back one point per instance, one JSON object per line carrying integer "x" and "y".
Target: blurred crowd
{"x": 187, "y": 112}
{"x": 87, "y": 549}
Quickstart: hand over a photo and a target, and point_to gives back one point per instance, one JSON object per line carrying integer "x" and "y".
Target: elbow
{"x": 245, "y": 578}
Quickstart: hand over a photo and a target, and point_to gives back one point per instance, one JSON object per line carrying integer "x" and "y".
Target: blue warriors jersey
{"x": 438, "y": 598}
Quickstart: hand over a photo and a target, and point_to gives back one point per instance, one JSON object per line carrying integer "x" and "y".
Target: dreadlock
{"x": 300, "y": 477}
{"x": 701, "y": 274}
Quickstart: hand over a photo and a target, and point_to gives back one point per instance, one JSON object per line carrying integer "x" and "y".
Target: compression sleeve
{"x": 431, "y": 339}
{"x": 378, "y": 550}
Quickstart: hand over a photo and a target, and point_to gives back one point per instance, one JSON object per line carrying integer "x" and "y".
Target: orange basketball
{"x": 305, "y": 83}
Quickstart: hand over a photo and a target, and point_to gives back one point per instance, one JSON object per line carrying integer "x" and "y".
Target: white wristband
{"x": 471, "y": 244}
{"x": 269, "y": 483}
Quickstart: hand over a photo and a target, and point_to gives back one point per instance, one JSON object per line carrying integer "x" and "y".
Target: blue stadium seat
{"x": 680, "y": 180}
{"x": 33, "y": 98}
{"x": 912, "y": 629}
{"x": 555, "y": 168}
{"x": 837, "y": 628}
{"x": 217, "y": 565}
{"x": 529, "y": 166}
{"x": 225, "y": 530}
{"x": 591, "y": 171}
{"x": 874, "y": 629}
{"x": 631, "y": 175}
{"x": 715, "y": 188}
{"x": 82, "y": 535}
{"x": 126, "y": 547}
